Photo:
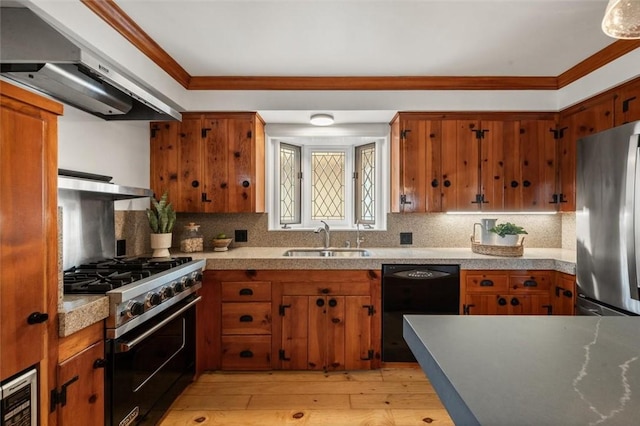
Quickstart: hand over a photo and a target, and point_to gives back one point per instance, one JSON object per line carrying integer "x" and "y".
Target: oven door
{"x": 149, "y": 366}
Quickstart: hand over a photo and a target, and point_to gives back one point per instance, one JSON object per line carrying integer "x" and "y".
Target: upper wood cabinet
{"x": 584, "y": 120}
{"x": 627, "y": 103}
{"x": 457, "y": 162}
{"x": 210, "y": 162}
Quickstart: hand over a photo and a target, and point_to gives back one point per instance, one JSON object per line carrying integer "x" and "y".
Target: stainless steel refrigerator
{"x": 608, "y": 222}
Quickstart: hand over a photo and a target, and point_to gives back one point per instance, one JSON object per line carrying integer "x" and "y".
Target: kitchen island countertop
{"x": 531, "y": 370}
{"x": 272, "y": 258}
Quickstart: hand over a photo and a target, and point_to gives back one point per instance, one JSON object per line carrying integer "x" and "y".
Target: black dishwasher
{"x": 415, "y": 289}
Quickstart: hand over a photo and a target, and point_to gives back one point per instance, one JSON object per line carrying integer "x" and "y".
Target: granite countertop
{"x": 79, "y": 311}
{"x": 272, "y": 258}
{"x": 531, "y": 370}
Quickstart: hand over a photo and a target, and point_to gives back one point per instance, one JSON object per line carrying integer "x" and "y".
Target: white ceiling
{"x": 373, "y": 38}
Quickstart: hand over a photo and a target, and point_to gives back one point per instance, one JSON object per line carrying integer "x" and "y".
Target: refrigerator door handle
{"x": 632, "y": 206}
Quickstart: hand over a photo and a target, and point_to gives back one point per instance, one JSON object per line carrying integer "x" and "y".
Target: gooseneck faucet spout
{"x": 326, "y": 233}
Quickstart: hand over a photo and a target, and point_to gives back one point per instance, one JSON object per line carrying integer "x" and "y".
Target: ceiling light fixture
{"x": 321, "y": 119}
{"x": 622, "y": 19}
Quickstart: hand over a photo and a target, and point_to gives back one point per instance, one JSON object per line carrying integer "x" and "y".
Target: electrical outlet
{"x": 241, "y": 236}
{"x": 121, "y": 247}
{"x": 406, "y": 238}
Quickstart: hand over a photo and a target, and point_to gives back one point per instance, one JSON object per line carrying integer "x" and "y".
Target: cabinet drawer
{"x": 246, "y": 352}
{"x": 249, "y": 291}
{"x": 246, "y": 318}
{"x": 527, "y": 283}
{"x": 490, "y": 283}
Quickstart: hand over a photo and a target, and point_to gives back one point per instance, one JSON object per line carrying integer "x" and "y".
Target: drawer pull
{"x": 246, "y": 318}
{"x": 530, "y": 283}
{"x": 245, "y": 292}
{"x": 486, "y": 283}
{"x": 246, "y": 354}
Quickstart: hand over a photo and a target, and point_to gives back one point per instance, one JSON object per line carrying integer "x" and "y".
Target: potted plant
{"x": 508, "y": 233}
{"x": 162, "y": 217}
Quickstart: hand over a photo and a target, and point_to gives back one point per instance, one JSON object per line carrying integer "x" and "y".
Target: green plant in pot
{"x": 161, "y": 217}
{"x": 508, "y": 233}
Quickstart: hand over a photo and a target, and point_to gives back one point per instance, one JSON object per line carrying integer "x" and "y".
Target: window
{"x": 336, "y": 180}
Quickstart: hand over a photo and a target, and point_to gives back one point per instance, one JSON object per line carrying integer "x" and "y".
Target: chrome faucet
{"x": 326, "y": 233}
{"x": 358, "y": 239}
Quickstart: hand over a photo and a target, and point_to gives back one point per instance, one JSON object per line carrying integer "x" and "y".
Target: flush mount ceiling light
{"x": 622, "y": 19}
{"x": 321, "y": 119}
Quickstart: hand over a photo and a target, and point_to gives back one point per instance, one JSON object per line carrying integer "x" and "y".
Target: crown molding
{"x": 109, "y": 11}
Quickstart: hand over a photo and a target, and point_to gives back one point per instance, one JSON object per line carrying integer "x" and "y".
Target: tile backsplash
{"x": 428, "y": 230}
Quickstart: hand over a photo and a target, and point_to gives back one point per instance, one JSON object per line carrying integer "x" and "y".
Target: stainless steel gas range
{"x": 150, "y": 331}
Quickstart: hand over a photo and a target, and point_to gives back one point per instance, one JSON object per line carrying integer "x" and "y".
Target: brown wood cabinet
{"x": 563, "y": 294}
{"x": 210, "y": 162}
{"x": 575, "y": 123}
{"x": 627, "y": 103}
{"x": 80, "y": 387}
{"x": 272, "y": 319}
{"x": 28, "y": 235}
{"x": 466, "y": 162}
{"x": 506, "y": 292}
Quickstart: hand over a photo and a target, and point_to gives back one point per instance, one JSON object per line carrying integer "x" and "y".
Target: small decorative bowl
{"x": 221, "y": 244}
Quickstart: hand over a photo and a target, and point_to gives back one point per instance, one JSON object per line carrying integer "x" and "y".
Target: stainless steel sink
{"x": 319, "y": 252}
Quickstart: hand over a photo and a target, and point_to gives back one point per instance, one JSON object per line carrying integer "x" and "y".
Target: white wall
{"x": 114, "y": 148}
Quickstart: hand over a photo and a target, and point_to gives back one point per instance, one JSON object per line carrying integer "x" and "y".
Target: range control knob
{"x": 152, "y": 299}
{"x": 166, "y": 293}
{"x": 198, "y": 276}
{"x": 189, "y": 282}
{"x": 134, "y": 309}
{"x": 177, "y": 286}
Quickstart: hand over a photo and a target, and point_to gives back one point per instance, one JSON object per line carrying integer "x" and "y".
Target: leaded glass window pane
{"x": 365, "y": 183}
{"x": 289, "y": 184}
{"x": 327, "y": 185}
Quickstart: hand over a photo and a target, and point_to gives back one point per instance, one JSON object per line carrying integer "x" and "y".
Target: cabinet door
{"x": 529, "y": 304}
{"x": 165, "y": 160}
{"x": 595, "y": 118}
{"x": 215, "y": 184}
{"x": 460, "y": 162}
{"x": 563, "y": 294}
{"x": 334, "y": 345}
{"x": 495, "y": 136}
{"x": 538, "y": 167}
{"x": 26, "y": 224}
{"x": 413, "y": 166}
{"x": 627, "y": 104}
{"x": 190, "y": 180}
{"x": 241, "y": 165}
{"x": 84, "y": 380}
{"x": 486, "y": 304}
{"x": 295, "y": 332}
{"x": 358, "y": 317}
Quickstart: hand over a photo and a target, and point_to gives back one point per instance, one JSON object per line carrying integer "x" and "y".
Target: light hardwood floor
{"x": 389, "y": 397}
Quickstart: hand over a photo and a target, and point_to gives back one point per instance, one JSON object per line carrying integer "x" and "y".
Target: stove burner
{"x": 101, "y": 276}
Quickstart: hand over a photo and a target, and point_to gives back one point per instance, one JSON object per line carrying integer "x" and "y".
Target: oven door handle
{"x": 127, "y": 346}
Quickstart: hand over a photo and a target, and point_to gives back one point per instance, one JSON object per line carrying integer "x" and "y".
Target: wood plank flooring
{"x": 389, "y": 397}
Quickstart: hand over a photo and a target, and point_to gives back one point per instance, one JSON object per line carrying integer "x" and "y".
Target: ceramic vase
{"x": 160, "y": 244}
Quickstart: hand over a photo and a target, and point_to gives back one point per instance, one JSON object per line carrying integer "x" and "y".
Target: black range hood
{"x": 35, "y": 54}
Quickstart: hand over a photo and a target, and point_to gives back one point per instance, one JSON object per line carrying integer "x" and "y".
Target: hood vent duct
{"x": 35, "y": 54}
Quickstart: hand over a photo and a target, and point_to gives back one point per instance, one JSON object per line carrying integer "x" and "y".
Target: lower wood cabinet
{"x": 516, "y": 292}
{"x": 307, "y": 320}
{"x": 79, "y": 395}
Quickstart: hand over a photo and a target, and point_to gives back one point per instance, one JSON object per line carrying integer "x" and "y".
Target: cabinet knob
{"x": 37, "y": 318}
{"x": 99, "y": 363}
{"x": 246, "y": 318}
{"x": 320, "y": 303}
{"x": 515, "y": 301}
{"x": 514, "y": 184}
{"x": 246, "y": 354}
{"x": 447, "y": 183}
{"x": 502, "y": 301}
{"x": 333, "y": 303}
{"x": 245, "y": 184}
{"x": 526, "y": 183}
{"x": 434, "y": 183}
{"x": 245, "y": 292}
{"x": 195, "y": 183}
{"x": 486, "y": 283}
